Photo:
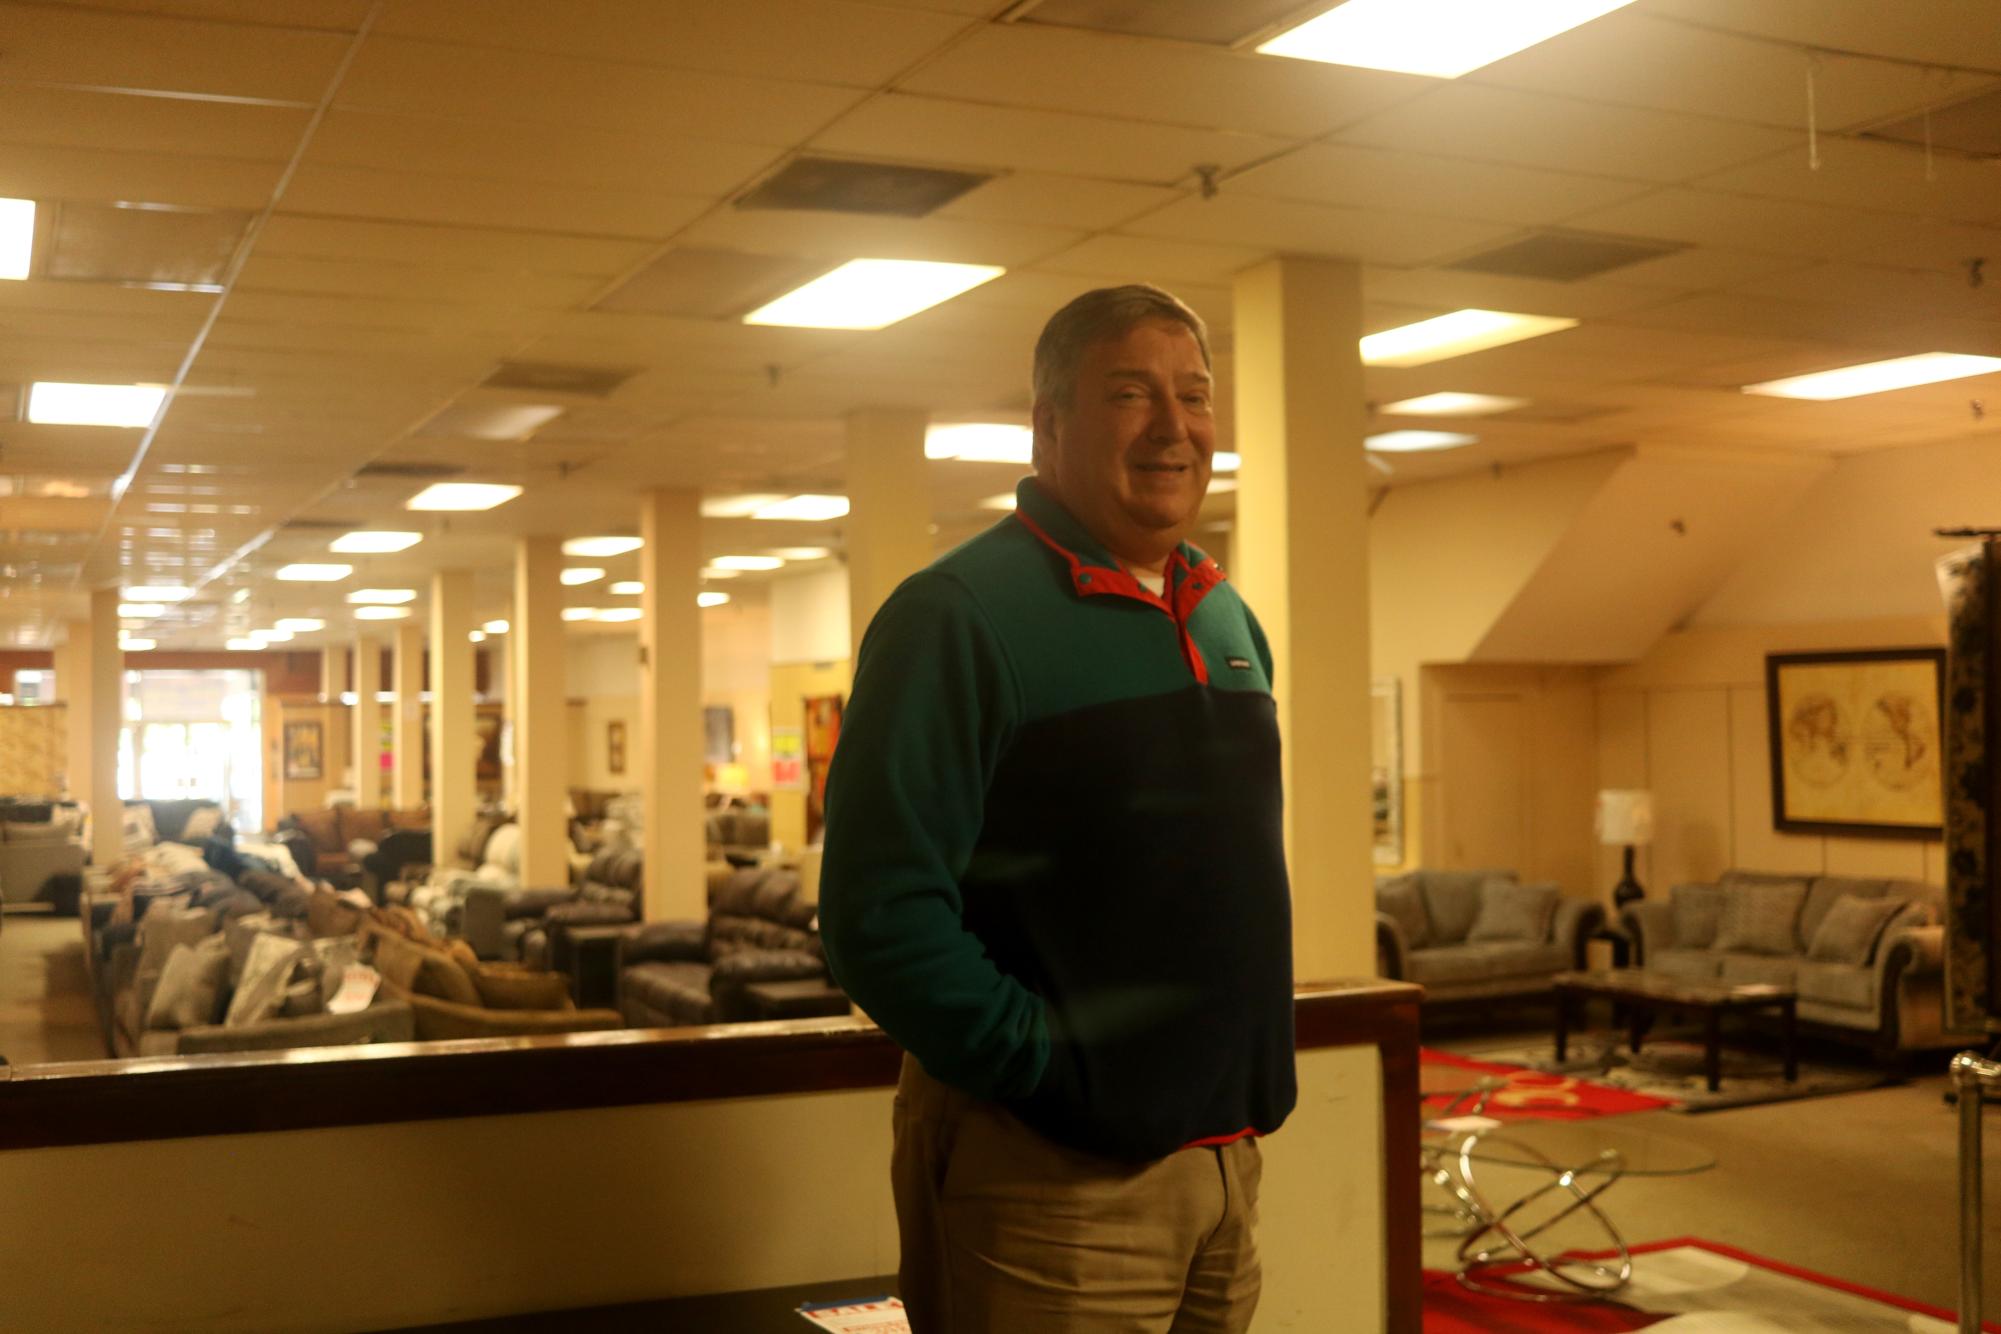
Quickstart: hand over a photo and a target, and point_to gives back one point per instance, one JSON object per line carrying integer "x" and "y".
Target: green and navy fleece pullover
{"x": 1054, "y": 869}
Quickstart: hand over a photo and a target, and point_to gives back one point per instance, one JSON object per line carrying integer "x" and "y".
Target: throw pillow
{"x": 267, "y": 974}
{"x": 1851, "y": 928}
{"x": 41, "y": 832}
{"x": 1452, "y": 900}
{"x": 189, "y": 994}
{"x": 1397, "y": 898}
{"x": 517, "y": 988}
{"x": 201, "y": 826}
{"x": 1697, "y": 911}
{"x": 136, "y": 831}
{"x": 1509, "y": 911}
{"x": 1760, "y": 918}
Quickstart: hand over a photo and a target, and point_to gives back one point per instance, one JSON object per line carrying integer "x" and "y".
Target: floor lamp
{"x": 1626, "y": 819}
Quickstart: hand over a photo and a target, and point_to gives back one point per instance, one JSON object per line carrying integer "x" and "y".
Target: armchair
{"x": 759, "y": 930}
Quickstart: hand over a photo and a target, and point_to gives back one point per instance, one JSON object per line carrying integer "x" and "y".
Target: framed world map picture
{"x": 1855, "y": 742}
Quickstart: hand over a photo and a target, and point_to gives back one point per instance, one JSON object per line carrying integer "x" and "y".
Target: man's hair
{"x": 1106, "y": 312}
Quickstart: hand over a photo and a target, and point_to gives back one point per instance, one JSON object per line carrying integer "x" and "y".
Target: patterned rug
{"x": 1689, "y": 1286}
{"x": 1670, "y": 1069}
{"x": 1530, "y": 1095}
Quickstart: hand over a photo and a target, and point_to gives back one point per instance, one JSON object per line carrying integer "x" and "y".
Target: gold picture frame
{"x": 1855, "y": 742}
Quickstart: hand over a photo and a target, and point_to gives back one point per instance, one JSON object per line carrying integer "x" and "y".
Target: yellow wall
{"x": 282, "y": 795}
{"x": 792, "y": 684}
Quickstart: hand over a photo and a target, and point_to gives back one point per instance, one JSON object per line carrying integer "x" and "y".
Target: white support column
{"x": 97, "y": 711}
{"x": 538, "y": 701}
{"x": 454, "y": 743}
{"x": 407, "y": 672}
{"x": 367, "y": 747}
{"x": 74, "y": 692}
{"x": 669, "y": 748}
{"x": 1302, "y": 562}
{"x": 888, "y": 528}
{"x": 335, "y": 682}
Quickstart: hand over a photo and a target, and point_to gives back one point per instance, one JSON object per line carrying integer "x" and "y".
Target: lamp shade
{"x": 1625, "y": 816}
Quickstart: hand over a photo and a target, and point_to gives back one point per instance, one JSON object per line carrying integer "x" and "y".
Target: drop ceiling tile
{"x": 97, "y": 50}
{"x": 1449, "y": 289}
{"x": 1154, "y": 259}
{"x": 413, "y": 282}
{"x": 1704, "y": 267}
{"x": 1171, "y": 83}
{"x": 1703, "y": 217}
{"x": 74, "y": 118}
{"x": 837, "y": 237}
{"x": 432, "y": 78}
{"x": 1877, "y": 176}
{"x": 1057, "y": 201}
{"x": 1466, "y": 120}
{"x": 329, "y": 15}
{"x": 1765, "y": 318}
{"x": 293, "y": 236}
{"x": 376, "y": 313}
{"x": 938, "y": 132}
{"x": 1370, "y": 236}
{"x": 1922, "y": 293}
{"x": 814, "y": 41}
{"x": 23, "y": 300}
{"x": 1412, "y": 183}
{"x": 463, "y": 201}
{"x": 101, "y": 176}
{"x": 1945, "y": 32}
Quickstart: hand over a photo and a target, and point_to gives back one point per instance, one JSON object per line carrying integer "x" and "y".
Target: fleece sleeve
{"x": 934, "y": 704}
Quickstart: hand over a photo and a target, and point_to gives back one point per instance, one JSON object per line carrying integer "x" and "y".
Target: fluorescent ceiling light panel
{"x": 475, "y": 636}
{"x": 144, "y": 611}
{"x": 1876, "y": 377}
{"x": 581, "y": 574}
{"x": 17, "y": 237}
{"x": 1439, "y": 38}
{"x": 872, "y": 293}
{"x": 381, "y": 613}
{"x": 980, "y": 442}
{"x": 57, "y": 403}
{"x": 159, "y": 593}
{"x": 600, "y": 547}
{"x": 374, "y": 543}
{"x": 807, "y": 509}
{"x": 580, "y": 613}
{"x": 137, "y": 645}
{"x": 300, "y": 625}
{"x": 272, "y": 636}
{"x": 801, "y": 553}
{"x": 1455, "y": 335}
{"x": 495, "y": 627}
{"x": 711, "y": 572}
{"x": 385, "y": 597}
{"x": 492, "y": 421}
{"x": 462, "y": 496}
{"x": 746, "y": 562}
{"x": 733, "y": 507}
{"x": 1225, "y": 461}
{"x": 711, "y": 599}
{"x": 619, "y": 614}
{"x": 1004, "y": 501}
{"x": 628, "y": 587}
{"x": 1449, "y": 404}
{"x": 312, "y": 572}
{"x": 1414, "y": 442}
{"x": 244, "y": 645}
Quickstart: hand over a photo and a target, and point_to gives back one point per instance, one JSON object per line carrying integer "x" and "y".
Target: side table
{"x": 809, "y": 998}
{"x": 589, "y": 954}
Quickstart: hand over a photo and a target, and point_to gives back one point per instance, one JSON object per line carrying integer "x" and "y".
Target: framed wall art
{"x": 1386, "y": 769}
{"x": 1855, "y": 742}
{"x": 614, "y": 746}
{"x": 305, "y": 751}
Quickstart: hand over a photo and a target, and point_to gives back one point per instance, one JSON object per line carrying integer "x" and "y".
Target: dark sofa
{"x": 759, "y": 929}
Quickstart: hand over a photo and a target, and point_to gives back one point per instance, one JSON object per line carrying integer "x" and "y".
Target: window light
{"x": 616, "y": 615}
{"x": 1449, "y": 404}
{"x": 807, "y": 508}
{"x": 55, "y": 403}
{"x": 1455, "y": 335}
{"x": 1440, "y": 38}
{"x": 601, "y": 547}
{"x": 1413, "y": 442}
{"x": 374, "y": 543}
{"x": 979, "y": 442}
{"x": 311, "y": 572}
{"x": 495, "y": 627}
{"x": 381, "y": 596}
{"x": 17, "y": 237}
{"x": 581, "y": 574}
{"x": 462, "y": 496}
{"x": 159, "y": 593}
{"x": 746, "y": 562}
{"x": 1876, "y": 377}
{"x": 144, "y": 611}
{"x": 628, "y": 587}
{"x": 579, "y": 613}
{"x": 711, "y": 599}
{"x": 380, "y": 613}
{"x": 872, "y": 293}
{"x": 300, "y": 625}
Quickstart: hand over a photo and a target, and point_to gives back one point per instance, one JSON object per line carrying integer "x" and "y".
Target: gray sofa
{"x": 1478, "y": 935}
{"x": 1866, "y": 971}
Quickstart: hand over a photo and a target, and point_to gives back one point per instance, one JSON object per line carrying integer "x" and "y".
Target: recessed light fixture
{"x": 808, "y": 509}
{"x": 616, "y": 615}
{"x": 1455, "y": 335}
{"x": 311, "y": 572}
{"x": 1440, "y": 38}
{"x": 1413, "y": 442}
{"x": 475, "y": 636}
{"x": 580, "y": 613}
{"x": 495, "y": 627}
{"x": 462, "y": 496}
{"x": 801, "y": 553}
{"x": 734, "y": 507}
{"x": 581, "y": 574}
{"x": 300, "y": 625}
{"x": 979, "y": 442}
{"x": 600, "y": 547}
{"x": 1876, "y": 377}
{"x": 386, "y": 597}
{"x": 17, "y": 237}
{"x": 56, "y": 403}
{"x": 374, "y": 543}
{"x": 746, "y": 562}
{"x": 380, "y": 613}
{"x": 159, "y": 593}
{"x": 628, "y": 587}
{"x": 239, "y": 597}
{"x": 271, "y": 636}
{"x": 244, "y": 645}
{"x": 711, "y": 572}
{"x": 137, "y": 645}
{"x": 711, "y": 599}
{"x": 144, "y": 611}
{"x": 1225, "y": 461}
{"x": 872, "y": 293}
{"x": 1449, "y": 404}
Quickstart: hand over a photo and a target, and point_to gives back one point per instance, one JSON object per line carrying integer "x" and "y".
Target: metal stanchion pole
{"x": 1971, "y": 1077}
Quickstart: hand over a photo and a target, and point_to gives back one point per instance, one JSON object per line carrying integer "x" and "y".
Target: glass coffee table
{"x": 1643, "y": 995}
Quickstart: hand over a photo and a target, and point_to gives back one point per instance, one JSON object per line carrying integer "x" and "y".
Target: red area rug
{"x": 1531, "y": 1095}
{"x": 1678, "y": 1283}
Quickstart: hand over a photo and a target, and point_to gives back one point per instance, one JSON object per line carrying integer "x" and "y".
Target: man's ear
{"x": 1042, "y": 421}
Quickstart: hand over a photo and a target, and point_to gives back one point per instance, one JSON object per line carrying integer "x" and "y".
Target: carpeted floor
{"x": 1670, "y": 1068}
{"x": 45, "y": 1007}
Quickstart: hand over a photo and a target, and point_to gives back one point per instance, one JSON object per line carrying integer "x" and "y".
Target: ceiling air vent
{"x": 887, "y": 189}
{"x": 1971, "y": 128}
{"x": 316, "y": 525}
{"x": 1565, "y": 256}
{"x": 708, "y": 284}
{"x": 423, "y": 471}
{"x": 153, "y": 245}
{"x": 1179, "y": 20}
{"x": 548, "y": 377}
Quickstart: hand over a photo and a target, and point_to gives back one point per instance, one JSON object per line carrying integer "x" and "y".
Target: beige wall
{"x": 282, "y": 795}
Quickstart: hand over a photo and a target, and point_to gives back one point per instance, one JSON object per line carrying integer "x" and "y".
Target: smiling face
{"x": 1129, "y": 455}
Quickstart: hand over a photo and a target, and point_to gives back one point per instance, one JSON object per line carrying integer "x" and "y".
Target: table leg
{"x": 1791, "y": 1020}
{"x": 1562, "y": 1023}
{"x": 1639, "y": 1027}
{"x": 1712, "y": 1048}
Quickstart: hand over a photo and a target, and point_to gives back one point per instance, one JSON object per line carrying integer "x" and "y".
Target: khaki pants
{"x": 1005, "y": 1232}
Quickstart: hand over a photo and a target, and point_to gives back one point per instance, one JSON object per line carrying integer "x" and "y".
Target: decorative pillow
{"x": 201, "y": 825}
{"x": 189, "y": 994}
{"x": 1697, "y": 912}
{"x": 267, "y": 975}
{"x": 1509, "y": 911}
{"x": 136, "y": 831}
{"x": 1760, "y": 918}
{"x": 1397, "y": 898}
{"x": 1452, "y": 900}
{"x": 517, "y": 988}
{"x": 1851, "y": 928}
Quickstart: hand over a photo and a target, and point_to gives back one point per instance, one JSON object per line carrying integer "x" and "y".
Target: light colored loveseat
{"x": 1872, "y": 976}
{"x": 1468, "y": 935}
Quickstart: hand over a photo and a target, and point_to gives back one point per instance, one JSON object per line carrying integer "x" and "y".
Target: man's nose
{"x": 1170, "y": 421}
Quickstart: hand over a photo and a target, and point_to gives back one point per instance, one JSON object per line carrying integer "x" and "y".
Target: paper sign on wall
{"x": 788, "y": 758}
